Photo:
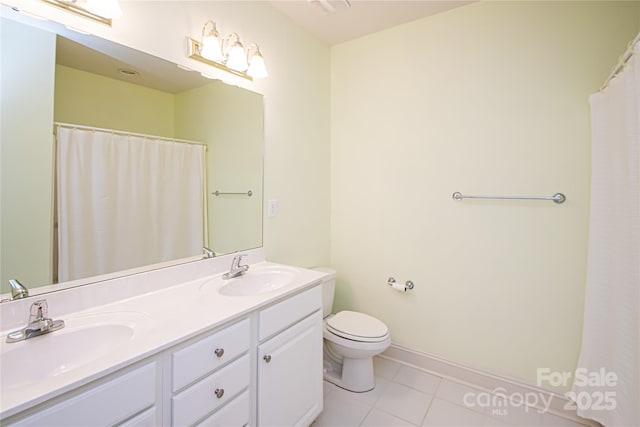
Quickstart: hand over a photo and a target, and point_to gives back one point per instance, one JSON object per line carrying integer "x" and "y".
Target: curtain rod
{"x": 120, "y": 132}
{"x": 626, "y": 56}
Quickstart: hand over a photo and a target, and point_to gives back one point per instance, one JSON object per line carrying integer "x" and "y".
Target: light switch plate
{"x": 272, "y": 208}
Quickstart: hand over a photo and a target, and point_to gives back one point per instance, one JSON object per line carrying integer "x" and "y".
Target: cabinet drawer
{"x": 236, "y": 413}
{"x": 200, "y": 399}
{"x": 278, "y": 317}
{"x": 204, "y": 356}
{"x": 106, "y": 404}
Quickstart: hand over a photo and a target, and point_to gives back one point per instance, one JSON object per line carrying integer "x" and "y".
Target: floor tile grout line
{"x": 395, "y": 416}
{"x": 423, "y": 371}
{"x": 366, "y": 416}
{"x": 428, "y": 409}
{"x": 432, "y": 396}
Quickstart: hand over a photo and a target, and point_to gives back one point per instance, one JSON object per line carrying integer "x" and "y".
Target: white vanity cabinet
{"x": 262, "y": 367}
{"x": 290, "y": 361}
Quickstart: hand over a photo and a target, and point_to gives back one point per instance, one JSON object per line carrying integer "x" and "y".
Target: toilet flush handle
{"x": 267, "y": 358}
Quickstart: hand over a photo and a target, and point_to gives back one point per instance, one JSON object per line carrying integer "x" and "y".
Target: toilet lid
{"x": 357, "y": 326}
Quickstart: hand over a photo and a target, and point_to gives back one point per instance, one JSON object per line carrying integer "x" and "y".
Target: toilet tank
{"x": 328, "y": 289}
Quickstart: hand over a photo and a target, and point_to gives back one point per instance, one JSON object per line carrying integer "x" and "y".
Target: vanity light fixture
{"x": 227, "y": 53}
{"x": 102, "y": 11}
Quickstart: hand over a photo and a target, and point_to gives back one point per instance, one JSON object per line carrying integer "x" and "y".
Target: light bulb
{"x": 257, "y": 69}
{"x": 236, "y": 58}
{"x": 211, "y": 47}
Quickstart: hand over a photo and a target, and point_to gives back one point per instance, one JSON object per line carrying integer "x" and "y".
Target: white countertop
{"x": 160, "y": 319}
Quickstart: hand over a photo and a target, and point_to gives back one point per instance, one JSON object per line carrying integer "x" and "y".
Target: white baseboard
{"x": 484, "y": 380}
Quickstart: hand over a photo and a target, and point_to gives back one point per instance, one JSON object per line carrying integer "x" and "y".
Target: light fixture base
{"x": 78, "y": 10}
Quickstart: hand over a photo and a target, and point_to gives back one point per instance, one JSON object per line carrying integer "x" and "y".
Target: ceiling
{"x": 337, "y": 21}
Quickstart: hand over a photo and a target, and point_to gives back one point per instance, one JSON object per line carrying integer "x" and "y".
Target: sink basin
{"x": 259, "y": 280}
{"x": 83, "y": 340}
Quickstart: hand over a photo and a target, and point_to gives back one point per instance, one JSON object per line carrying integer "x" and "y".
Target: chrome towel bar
{"x": 557, "y": 198}
{"x": 219, "y": 193}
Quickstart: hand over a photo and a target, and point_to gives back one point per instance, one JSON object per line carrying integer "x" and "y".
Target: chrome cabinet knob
{"x": 267, "y": 358}
{"x": 219, "y": 392}
{"x": 219, "y": 352}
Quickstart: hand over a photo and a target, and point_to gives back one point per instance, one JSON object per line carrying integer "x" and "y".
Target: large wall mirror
{"x": 51, "y": 74}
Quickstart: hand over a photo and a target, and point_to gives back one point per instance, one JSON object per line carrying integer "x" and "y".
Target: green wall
{"x": 489, "y": 98}
{"x": 230, "y": 120}
{"x": 26, "y": 154}
{"x": 93, "y": 100}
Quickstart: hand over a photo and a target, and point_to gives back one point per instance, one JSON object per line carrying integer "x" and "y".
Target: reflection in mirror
{"x": 83, "y": 80}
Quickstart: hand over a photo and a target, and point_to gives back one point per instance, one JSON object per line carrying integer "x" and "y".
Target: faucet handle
{"x": 237, "y": 260}
{"x": 39, "y": 311}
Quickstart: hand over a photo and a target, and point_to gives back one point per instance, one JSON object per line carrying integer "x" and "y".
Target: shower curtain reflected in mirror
{"x": 125, "y": 201}
{"x": 611, "y": 334}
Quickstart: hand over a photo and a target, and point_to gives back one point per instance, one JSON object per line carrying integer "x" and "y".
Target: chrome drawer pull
{"x": 267, "y": 358}
{"x": 219, "y": 392}
{"x": 219, "y": 352}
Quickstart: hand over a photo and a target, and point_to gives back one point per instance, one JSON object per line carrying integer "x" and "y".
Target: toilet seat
{"x": 357, "y": 327}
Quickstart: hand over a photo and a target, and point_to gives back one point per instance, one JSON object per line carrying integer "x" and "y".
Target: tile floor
{"x": 405, "y": 396}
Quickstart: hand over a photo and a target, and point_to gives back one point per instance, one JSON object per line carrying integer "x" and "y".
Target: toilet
{"x": 351, "y": 339}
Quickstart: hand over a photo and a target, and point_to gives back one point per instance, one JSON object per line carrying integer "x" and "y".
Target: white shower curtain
{"x": 611, "y": 334}
{"x": 125, "y": 201}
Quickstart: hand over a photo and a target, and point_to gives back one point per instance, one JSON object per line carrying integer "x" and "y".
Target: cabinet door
{"x": 290, "y": 375}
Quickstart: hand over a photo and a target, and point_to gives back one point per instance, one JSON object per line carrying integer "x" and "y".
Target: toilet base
{"x": 354, "y": 375}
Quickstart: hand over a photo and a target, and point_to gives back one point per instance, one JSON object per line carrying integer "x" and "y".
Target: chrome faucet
{"x": 236, "y": 269}
{"x": 39, "y": 323}
{"x": 18, "y": 290}
{"x": 208, "y": 253}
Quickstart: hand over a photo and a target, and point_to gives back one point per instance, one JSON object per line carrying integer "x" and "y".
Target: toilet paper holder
{"x": 408, "y": 285}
